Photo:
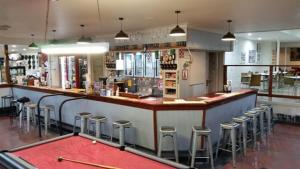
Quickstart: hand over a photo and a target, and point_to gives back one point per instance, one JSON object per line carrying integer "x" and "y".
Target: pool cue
{"x": 86, "y": 163}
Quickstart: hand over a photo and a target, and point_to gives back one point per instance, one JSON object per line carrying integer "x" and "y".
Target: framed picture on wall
{"x": 295, "y": 54}
{"x": 243, "y": 57}
{"x": 252, "y": 56}
{"x": 185, "y": 74}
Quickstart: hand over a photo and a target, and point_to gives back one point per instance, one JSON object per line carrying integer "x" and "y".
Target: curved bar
{"x": 60, "y": 111}
{"x": 39, "y": 110}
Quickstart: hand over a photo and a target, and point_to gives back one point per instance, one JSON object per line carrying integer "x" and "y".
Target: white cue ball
{"x": 94, "y": 142}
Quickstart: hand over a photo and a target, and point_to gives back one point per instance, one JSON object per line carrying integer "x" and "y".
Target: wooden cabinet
{"x": 171, "y": 84}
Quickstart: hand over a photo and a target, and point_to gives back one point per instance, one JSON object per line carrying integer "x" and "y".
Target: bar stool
{"x": 232, "y": 127}
{"x": 243, "y": 120}
{"x": 269, "y": 117}
{"x": 261, "y": 112}
{"x": 6, "y": 99}
{"x": 96, "y": 122}
{"x": 30, "y": 114}
{"x": 83, "y": 117}
{"x": 14, "y": 103}
{"x": 121, "y": 125}
{"x": 168, "y": 131}
{"x": 253, "y": 115}
{"x": 47, "y": 109}
{"x": 198, "y": 131}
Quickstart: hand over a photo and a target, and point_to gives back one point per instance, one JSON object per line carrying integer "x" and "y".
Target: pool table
{"x": 81, "y": 148}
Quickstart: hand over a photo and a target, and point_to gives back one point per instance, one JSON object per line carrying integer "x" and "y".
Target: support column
{"x": 6, "y": 64}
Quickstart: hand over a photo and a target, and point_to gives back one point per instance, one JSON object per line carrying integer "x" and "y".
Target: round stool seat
{"x": 122, "y": 122}
{"x": 252, "y": 113}
{"x": 84, "y": 114}
{"x": 32, "y": 105}
{"x": 51, "y": 107}
{"x": 265, "y": 105}
{"x": 201, "y": 130}
{"x": 258, "y": 109}
{"x": 98, "y": 117}
{"x": 229, "y": 125}
{"x": 240, "y": 119}
{"x": 168, "y": 129}
{"x": 7, "y": 97}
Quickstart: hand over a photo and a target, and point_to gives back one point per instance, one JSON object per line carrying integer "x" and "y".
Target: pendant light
{"x": 53, "y": 41}
{"x": 121, "y": 35}
{"x": 33, "y": 45}
{"x": 83, "y": 39}
{"x": 228, "y": 36}
{"x": 177, "y": 31}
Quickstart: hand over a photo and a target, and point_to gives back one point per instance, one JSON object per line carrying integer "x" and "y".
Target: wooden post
{"x": 6, "y": 61}
{"x": 225, "y": 75}
{"x": 270, "y": 81}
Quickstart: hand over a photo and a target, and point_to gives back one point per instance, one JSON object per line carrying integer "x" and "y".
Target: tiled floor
{"x": 12, "y": 136}
{"x": 280, "y": 151}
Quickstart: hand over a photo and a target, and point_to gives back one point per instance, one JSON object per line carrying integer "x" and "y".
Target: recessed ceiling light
{"x": 13, "y": 46}
{"x": 24, "y": 49}
{"x": 249, "y": 34}
{"x": 259, "y": 38}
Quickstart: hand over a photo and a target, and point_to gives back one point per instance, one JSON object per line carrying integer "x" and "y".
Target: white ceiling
{"x": 28, "y": 16}
{"x": 282, "y": 36}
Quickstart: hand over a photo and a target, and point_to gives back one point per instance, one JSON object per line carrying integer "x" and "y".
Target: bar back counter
{"x": 149, "y": 114}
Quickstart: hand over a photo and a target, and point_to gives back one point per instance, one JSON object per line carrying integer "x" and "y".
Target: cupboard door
{"x": 150, "y": 64}
{"x": 129, "y": 62}
{"x": 139, "y": 65}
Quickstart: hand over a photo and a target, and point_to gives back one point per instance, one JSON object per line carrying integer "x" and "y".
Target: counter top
{"x": 152, "y": 103}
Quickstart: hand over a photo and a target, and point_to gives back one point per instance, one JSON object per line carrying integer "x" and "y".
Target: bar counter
{"x": 150, "y": 113}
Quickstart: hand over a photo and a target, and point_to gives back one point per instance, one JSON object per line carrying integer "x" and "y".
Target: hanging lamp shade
{"x": 121, "y": 35}
{"x": 54, "y": 41}
{"x": 177, "y": 31}
{"x": 84, "y": 39}
{"x": 229, "y": 36}
{"x": 33, "y": 45}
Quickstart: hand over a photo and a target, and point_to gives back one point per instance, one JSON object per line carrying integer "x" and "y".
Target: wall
{"x": 197, "y": 39}
{"x": 97, "y": 66}
{"x": 243, "y": 46}
{"x": 195, "y": 85}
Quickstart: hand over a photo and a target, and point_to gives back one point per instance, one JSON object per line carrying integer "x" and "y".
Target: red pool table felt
{"x": 45, "y": 156}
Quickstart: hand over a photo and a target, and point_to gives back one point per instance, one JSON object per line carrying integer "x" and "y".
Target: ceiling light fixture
{"x": 93, "y": 48}
{"x": 177, "y": 31}
{"x": 83, "y": 39}
{"x": 121, "y": 35}
{"x": 228, "y": 36}
{"x": 53, "y": 41}
{"x": 13, "y": 46}
{"x": 259, "y": 38}
{"x": 33, "y": 45}
{"x": 24, "y": 49}
{"x": 249, "y": 34}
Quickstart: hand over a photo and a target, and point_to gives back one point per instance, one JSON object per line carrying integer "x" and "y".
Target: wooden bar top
{"x": 151, "y": 103}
